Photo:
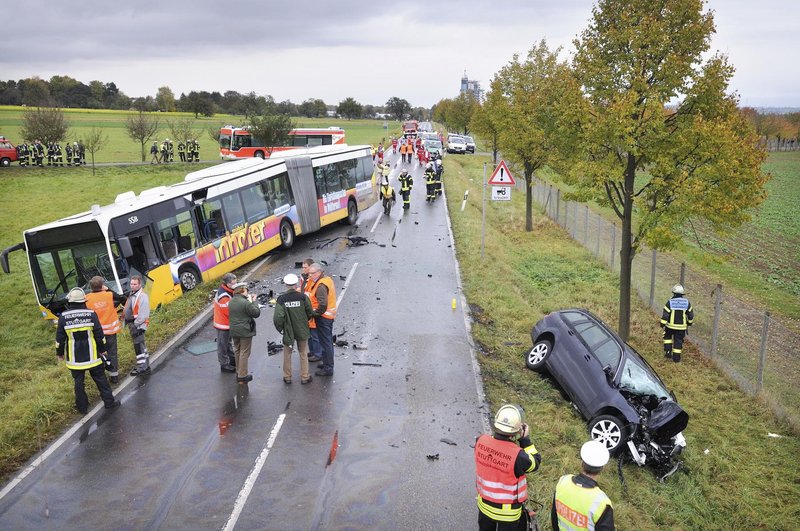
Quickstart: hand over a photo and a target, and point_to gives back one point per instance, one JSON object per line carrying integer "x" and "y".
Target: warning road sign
{"x": 502, "y": 176}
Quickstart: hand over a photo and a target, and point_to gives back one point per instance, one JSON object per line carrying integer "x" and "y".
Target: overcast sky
{"x": 334, "y": 49}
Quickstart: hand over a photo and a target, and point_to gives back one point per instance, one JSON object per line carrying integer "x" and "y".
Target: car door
{"x": 602, "y": 354}
{"x": 572, "y": 366}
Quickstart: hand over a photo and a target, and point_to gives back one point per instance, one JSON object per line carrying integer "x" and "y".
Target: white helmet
{"x": 677, "y": 289}
{"x": 508, "y": 420}
{"x": 594, "y": 453}
{"x": 76, "y": 295}
{"x": 429, "y": 165}
{"x": 291, "y": 279}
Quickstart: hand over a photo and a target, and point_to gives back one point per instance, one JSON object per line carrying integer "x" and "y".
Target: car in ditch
{"x": 627, "y": 406}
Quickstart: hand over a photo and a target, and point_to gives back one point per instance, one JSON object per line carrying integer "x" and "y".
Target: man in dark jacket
{"x": 242, "y": 313}
{"x": 676, "y": 318}
{"x": 80, "y": 334}
{"x": 292, "y": 312}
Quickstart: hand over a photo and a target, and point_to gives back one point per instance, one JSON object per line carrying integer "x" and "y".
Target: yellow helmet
{"x": 508, "y": 420}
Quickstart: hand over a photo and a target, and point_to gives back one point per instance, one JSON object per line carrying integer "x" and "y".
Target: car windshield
{"x": 468, "y": 139}
{"x": 639, "y": 379}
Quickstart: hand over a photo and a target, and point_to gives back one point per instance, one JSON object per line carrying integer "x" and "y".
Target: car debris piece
{"x": 432, "y": 457}
{"x": 359, "y": 347}
{"x": 448, "y": 441}
{"x": 365, "y": 364}
{"x": 774, "y": 435}
{"x": 273, "y": 348}
{"x": 342, "y": 343}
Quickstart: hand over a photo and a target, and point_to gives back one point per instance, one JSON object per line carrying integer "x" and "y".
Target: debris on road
{"x": 359, "y": 347}
{"x": 365, "y": 364}
{"x": 273, "y": 348}
{"x": 342, "y": 343}
{"x": 433, "y": 457}
{"x": 774, "y": 435}
{"x": 448, "y": 441}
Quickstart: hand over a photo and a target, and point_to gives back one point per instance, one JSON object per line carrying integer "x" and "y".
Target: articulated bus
{"x": 238, "y": 143}
{"x": 213, "y": 222}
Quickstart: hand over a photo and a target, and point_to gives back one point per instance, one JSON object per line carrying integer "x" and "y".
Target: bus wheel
{"x": 259, "y": 155}
{"x": 190, "y": 278}
{"x": 352, "y": 212}
{"x": 287, "y": 235}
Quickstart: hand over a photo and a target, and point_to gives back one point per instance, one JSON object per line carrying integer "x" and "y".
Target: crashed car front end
{"x": 658, "y": 439}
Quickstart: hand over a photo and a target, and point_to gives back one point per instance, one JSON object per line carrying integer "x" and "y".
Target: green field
{"x": 121, "y": 148}
{"x": 736, "y": 476}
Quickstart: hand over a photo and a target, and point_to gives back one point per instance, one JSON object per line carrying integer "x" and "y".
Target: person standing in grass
{"x": 104, "y": 303}
{"x": 578, "y": 502}
{"x": 292, "y": 312}
{"x": 80, "y": 344}
{"x": 154, "y": 152}
{"x": 137, "y": 317}
{"x": 676, "y": 319}
{"x": 242, "y": 313}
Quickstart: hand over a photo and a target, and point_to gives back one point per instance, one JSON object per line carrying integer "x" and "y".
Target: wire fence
{"x": 753, "y": 348}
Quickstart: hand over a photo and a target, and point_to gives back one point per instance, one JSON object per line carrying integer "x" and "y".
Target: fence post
{"x": 558, "y": 206}
{"x": 763, "y": 354}
{"x": 683, "y": 274}
{"x": 597, "y": 243}
{"x": 586, "y": 226}
{"x": 653, "y": 280}
{"x": 717, "y": 309}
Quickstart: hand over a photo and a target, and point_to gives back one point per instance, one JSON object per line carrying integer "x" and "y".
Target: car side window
{"x": 600, "y": 343}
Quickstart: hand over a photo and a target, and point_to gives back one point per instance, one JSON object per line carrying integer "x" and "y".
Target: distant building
{"x": 471, "y": 85}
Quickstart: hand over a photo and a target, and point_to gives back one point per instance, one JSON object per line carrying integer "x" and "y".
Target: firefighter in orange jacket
{"x": 104, "y": 302}
{"x": 225, "y": 354}
{"x": 501, "y": 462}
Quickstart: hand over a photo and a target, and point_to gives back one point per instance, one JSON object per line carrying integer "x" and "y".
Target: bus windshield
{"x": 58, "y": 270}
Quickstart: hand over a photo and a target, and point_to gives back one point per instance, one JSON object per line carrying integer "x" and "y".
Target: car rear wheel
{"x": 5, "y": 162}
{"x": 538, "y": 355}
{"x": 608, "y": 430}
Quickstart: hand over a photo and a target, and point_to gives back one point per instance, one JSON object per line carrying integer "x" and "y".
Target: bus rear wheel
{"x": 287, "y": 235}
{"x": 190, "y": 278}
{"x": 259, "y": 155}
{"x": 352, "y": 212}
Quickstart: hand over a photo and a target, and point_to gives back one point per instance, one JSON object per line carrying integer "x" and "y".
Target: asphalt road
{"x": 192, "y": 449}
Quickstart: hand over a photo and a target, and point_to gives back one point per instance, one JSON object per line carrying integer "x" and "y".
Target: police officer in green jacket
{"x": 292, "y": 312}
{"x": 579, "y": 503}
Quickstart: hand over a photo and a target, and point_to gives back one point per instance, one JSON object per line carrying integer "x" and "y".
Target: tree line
{"x": 67, "y": 92}
{"x": 639, "y": 119}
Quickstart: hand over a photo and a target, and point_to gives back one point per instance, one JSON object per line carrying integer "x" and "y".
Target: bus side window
{"x": 210, "y": 220}
{"x": 319, "y": 181}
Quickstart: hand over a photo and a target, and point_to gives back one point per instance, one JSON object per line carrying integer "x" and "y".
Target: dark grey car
{"x": 613, "y": 387}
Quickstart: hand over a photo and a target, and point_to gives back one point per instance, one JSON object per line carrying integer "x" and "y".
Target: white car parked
{"x": 456, "y": 144}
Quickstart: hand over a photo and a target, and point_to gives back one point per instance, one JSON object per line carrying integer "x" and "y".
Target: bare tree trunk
{"x": 626, "y": 251}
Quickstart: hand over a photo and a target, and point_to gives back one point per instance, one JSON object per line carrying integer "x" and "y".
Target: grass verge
{"x": 745, "y": 480}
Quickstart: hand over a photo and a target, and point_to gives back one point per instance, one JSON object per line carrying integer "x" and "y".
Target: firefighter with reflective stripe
{"x": 676, "y": 318}
{"x": 80, "y": 334}
{"x": 68, "y": 149}
{"x": 137, "y": 317}
{"x": 578, "y": 502}
{"x": 406, "y": 184}
{"x": 501, "y": 464}
{"x": 430, "y": 183}
{"x": 225, "y": 355}
{"x": 104, "y": 302}
{"x": 387, "y": 195}
{"x": 182, "y": 150}
{"x": 322, "y": 293}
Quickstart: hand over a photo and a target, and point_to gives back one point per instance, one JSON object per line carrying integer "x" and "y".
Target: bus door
{"x": 304, "y": 190}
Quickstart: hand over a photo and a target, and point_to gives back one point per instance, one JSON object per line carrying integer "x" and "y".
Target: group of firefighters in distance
{"x": 433, "y": 173}
{"x": 35, "y": 153}
{"x": 188, "y": 151}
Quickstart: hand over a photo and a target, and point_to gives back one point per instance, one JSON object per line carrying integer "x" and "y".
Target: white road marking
{"x": 347, "y": 283}
{"x": 377, "y": 220}
{"x": 250, "y": 482}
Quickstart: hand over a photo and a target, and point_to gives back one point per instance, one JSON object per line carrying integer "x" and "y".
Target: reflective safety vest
{"x": 405, "y": 183}
{"x": 430, "y": 177}
{"x": 578, "y": 507}
{"x": 311, "y": 290}
{"x": 496, "y": 481}
{"x": 678, "y": 313}
{"x": 221, "y": 301}
{"x": 387, "y": 192}
{"x": 81, "y": 342}
{"x": 102, "y": 302}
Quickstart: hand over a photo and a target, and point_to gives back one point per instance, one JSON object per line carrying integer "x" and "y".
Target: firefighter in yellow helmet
{"x": 578, "y": 502}
{"x": 501, "y": 462}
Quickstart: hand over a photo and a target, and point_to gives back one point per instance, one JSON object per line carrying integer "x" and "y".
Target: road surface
{"x": 386, "y": 443}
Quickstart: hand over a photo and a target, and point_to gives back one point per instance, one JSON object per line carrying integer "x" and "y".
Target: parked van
{"x": 8, "y": 152}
